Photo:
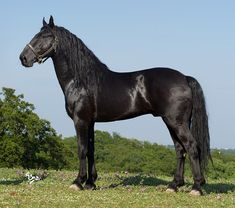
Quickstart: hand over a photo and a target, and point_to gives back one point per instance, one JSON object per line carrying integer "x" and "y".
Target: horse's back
{"x": 126, "y": 95}
{"x": 165, "y": 87}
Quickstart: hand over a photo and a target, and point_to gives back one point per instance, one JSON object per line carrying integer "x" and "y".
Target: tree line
{"x": 28, "y": 141}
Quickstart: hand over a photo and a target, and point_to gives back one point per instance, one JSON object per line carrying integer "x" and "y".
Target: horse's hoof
{"x": 195, "y": 193}
{"x": 76, "y": 187}
{"x": 170, "y": 190}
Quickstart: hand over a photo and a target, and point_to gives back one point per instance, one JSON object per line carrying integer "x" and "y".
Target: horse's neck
{"x": 87, "y": 78}
{"x": 63, "y": 73}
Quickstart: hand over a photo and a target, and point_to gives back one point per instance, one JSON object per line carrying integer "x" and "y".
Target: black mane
{"x": 85, "y": 67}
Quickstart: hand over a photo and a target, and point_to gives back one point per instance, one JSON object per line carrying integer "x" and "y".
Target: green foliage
{"x": 118, "y": 154}
{"x": 223, "y": 165}
{"x": 115, "y": 153}
{"x": 25, "y": 139}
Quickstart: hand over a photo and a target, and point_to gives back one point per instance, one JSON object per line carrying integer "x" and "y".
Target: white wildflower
{"x": 32, "y": 178}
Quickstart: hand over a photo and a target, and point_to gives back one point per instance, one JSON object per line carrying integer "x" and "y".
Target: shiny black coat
{"x": 93, "y": 93}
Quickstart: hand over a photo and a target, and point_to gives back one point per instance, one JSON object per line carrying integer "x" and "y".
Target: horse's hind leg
{"x": 180, "y": 155}
{"x": 185, "y": 137}
{"x": 92, "y": 174}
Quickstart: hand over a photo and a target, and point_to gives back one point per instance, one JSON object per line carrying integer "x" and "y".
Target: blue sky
{"x": 194, "y": 37}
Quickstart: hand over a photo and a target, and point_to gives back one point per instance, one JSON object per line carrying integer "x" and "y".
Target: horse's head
{"x": 42, "y": 46}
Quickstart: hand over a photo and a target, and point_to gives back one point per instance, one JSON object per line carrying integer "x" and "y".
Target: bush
{"x": 25, "y": 139}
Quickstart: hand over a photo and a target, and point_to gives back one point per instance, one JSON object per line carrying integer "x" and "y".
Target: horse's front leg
{"x": 92, "y": 174}
{"x": 82, "y": 129}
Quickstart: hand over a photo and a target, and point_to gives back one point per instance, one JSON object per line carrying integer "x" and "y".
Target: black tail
{"x": 199, "y": 123}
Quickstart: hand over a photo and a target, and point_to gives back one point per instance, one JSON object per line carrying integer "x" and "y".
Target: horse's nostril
{"x": 23, "y": 59}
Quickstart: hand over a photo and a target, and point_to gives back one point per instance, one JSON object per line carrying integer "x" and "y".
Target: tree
{"x": 25, "y": 139}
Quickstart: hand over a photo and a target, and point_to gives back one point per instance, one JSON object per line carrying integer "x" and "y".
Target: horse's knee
{"x": 193, "y": 151}
{"x": 82, "y": 152}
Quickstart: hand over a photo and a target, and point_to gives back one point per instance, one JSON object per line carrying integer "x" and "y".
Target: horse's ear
{"x": 51, "y": 22}
{"x": 44, "y": 22}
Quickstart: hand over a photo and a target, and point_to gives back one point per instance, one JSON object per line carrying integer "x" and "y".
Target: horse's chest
{"x": 76, "y": 101}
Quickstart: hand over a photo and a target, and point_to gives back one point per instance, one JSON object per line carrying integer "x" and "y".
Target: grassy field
{"x": 113, "y": 190}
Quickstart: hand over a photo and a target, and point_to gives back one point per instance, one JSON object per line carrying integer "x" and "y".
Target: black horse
{"x": 93, "y": 93}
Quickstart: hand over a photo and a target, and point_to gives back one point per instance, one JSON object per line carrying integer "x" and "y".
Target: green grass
{"x": 113, "y": 190}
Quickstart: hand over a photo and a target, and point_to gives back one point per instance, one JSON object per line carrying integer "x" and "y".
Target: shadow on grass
{"x": 219, "y": 188}
{"x": 141, "y": 180}
{"x": 12, "y": 181}
{"x": 138, "y": 180}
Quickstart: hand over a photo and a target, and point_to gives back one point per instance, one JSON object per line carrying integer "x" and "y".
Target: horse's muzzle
{"x": 25, "y": 62}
